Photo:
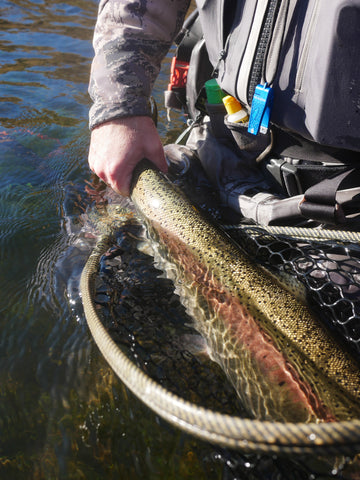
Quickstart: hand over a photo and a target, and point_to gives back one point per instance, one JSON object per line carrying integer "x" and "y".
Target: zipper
{"x": 222, "y": 55}
{"x": 224, "y": 8}
{"x": 306, "y": 49}
{"x": 256, "y": 71}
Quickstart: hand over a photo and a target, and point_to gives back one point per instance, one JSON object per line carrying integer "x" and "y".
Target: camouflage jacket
{"x": 130, "y": 40}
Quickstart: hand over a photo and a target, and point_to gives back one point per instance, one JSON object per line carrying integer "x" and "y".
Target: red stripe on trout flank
{"x": 245, "y": 333}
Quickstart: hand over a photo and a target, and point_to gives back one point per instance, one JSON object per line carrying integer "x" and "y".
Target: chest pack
{"x": 307, "y": 54}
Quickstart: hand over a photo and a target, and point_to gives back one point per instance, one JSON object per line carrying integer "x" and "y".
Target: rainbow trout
{"x": 282, "y": 362}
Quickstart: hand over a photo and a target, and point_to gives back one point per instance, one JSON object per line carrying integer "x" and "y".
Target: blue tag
{"x": 261, "y": 109}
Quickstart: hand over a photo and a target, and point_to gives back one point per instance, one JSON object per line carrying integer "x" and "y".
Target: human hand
{"x": 117, "y": 146}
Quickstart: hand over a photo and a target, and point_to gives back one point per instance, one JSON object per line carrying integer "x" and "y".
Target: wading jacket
{"x": 306, "y": 51}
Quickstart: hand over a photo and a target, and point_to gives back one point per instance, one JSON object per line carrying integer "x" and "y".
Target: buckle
{"x": 286, "y": 174}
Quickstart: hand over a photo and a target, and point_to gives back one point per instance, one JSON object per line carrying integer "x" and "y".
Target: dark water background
{"x": 63, "y": 413}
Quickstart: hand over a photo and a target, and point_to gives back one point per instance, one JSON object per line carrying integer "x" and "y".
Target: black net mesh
{"x": 329, "y": 271}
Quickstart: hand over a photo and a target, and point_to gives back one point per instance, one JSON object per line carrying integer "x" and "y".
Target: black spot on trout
{"x": 283, "y": 363}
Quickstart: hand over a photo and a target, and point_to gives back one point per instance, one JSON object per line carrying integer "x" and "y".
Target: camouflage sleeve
{"x": 131, "y": 38}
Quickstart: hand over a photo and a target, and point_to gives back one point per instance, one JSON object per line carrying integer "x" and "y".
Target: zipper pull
{"x": 261, "y": 109}
{"x": 222, "y": 56}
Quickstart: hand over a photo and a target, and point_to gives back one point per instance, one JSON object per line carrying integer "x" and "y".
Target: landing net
{"x": 146, "y": 336}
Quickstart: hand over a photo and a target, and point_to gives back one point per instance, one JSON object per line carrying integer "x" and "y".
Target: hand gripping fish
{"x": 283, "y": 363}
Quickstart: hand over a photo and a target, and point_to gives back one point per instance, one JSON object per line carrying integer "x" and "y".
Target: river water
{"x": 63, "y": 413}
